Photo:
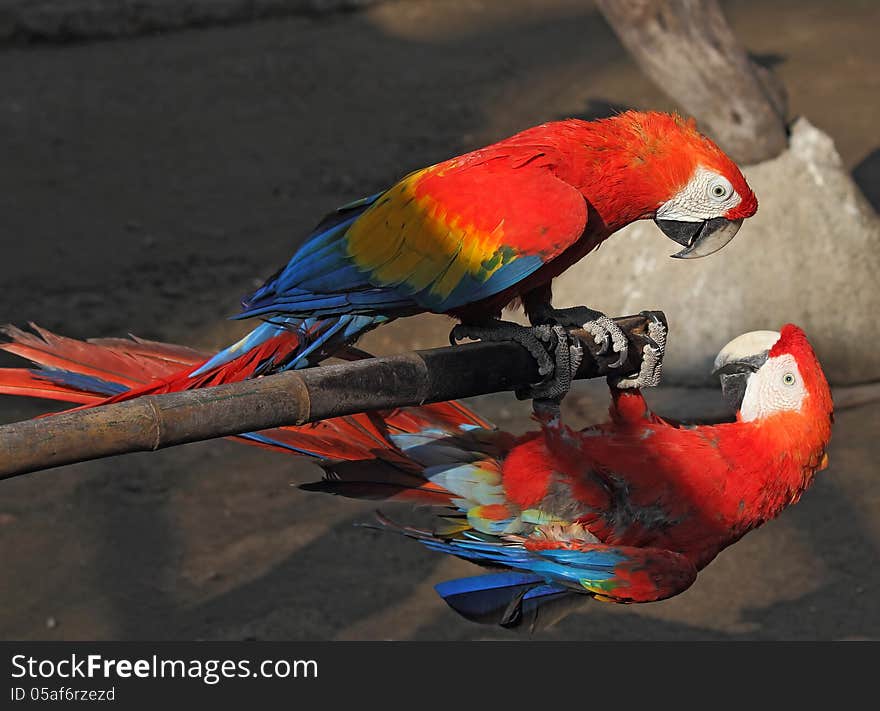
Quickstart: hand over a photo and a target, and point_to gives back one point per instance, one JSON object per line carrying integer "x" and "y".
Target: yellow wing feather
{"x": 405, "y": 237}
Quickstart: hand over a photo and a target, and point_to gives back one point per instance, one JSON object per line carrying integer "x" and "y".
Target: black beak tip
{"x": 678, "y": 231}
{"x": 699, "y": 239}
{"x": 733, "y": 388}
{"x": 734, "y": 376}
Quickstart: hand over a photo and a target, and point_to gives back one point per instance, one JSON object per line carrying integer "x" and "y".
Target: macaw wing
{"x": 321, "y": 281}
{"x": 618, "y": 573}
{"x": 441, "y": 238}
{"x": 466, "y": 230}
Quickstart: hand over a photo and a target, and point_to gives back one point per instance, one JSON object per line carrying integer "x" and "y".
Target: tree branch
{"x": 291, "y": 398}
{"x": 687, "y": 48}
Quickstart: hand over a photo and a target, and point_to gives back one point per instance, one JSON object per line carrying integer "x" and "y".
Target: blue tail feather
{"x": 84, "y": 383}
{"x": 259, "y": 335}
{"x": 508, "y": 599}
{"x": 319, "y": 338}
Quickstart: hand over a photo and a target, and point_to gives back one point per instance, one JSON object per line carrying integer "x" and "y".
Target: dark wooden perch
{"x": 687, "y": 48}
{"x": 293, "y": 398}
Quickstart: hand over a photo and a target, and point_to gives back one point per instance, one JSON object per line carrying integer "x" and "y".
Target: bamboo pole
{"x": 154, "y": 422}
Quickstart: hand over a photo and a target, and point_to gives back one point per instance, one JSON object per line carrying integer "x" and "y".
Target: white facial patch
{"x": 707, "y": 195}
{"x": 777, "y": 386}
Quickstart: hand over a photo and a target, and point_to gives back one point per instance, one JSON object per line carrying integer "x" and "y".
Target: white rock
{"x": 810, "y": 256}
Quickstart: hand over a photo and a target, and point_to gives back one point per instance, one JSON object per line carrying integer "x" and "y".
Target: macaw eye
{"x": 788, "y": 379}
{"x": 720, "y": 189}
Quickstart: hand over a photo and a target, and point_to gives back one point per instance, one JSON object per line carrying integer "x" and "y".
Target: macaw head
{"x": 676, "y": 176}
{"x": 707, "y": 196}
{"x": 765, "y": 373}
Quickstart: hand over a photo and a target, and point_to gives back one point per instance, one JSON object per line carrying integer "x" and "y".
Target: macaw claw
{"x": 604, "y": 330}
{"x": 557, "y": 353}
{"x": 652, "y": 358}
{"x": 567, "y": 355}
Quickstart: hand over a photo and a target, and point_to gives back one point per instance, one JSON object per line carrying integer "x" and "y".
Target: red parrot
{"x": 472, "y": 234}
{"x": 625, "y": 511}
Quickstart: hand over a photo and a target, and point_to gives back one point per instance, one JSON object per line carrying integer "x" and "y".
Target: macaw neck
{"x": 617, "y": 173}
{"x": 730, "y": 477}
{"x": 780, "y": 456}
{"x": 618, "y": 202}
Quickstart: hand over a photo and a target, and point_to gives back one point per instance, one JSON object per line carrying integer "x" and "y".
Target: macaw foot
{"x": 598, "y": 325}
{"x": 652, "y": 358}
{"x": 557, "y": 353}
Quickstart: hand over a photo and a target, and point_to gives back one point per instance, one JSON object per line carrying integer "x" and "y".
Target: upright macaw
{"x": 626, "y": 511}
{"x": 468, "y": 236}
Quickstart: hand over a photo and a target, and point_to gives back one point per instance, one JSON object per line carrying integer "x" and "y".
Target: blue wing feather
{"x": 471, "y": 289}
{"x": 321, "y": 280}
{"x": 563, "y": 566}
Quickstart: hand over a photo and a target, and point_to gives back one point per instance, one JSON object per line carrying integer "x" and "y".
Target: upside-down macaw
{"x": 468, "y": 236}
{"x": 626, "y": 511}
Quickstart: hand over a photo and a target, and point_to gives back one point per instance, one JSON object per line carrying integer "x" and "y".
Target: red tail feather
{"x": 236, "y": 370}
{"x": 149, "y": 367}
{"x": 145, "y": 367}
{"x": 130, "y": 363}
{"x": 23, "y": 382}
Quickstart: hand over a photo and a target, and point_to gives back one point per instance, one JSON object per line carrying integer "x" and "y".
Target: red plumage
{"x": 693, "y": 490}
{"x": 538, "y": 182}
{"x": 658, "y": 498}
{"x": 469, "y": 236}
{"x": 145, "y": 366}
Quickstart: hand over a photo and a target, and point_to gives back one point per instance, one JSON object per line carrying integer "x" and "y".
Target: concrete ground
{"x": 149, "y": 182}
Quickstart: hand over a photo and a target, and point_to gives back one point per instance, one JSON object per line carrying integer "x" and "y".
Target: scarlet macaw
{"x": 626, "y": 511}
{"x": 468, "y": 236}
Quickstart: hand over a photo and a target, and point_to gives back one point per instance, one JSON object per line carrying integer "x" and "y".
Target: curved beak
{"x": 734, "y": 377}
{"x": 737, "y": 361}
{"x": 699, "y": 238}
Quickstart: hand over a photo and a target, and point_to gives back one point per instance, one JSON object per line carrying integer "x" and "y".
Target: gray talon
{"x": 557, "y": 354}
{"x": 606, "y": 329}
{"x": 567, "y": 354}
{"x": 598, "y": 325}
{"x": 652, "y": 358}
{"x": 531, "y": 338}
